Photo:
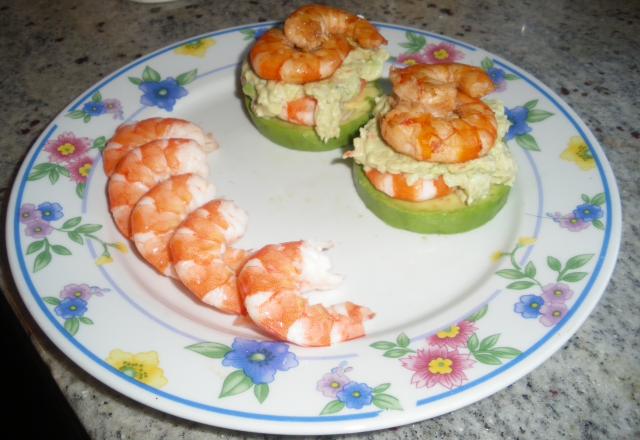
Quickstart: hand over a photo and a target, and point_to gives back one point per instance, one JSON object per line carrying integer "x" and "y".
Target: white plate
{"x": 458, "y": 317}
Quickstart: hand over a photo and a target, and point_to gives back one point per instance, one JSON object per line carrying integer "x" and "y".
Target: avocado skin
{"x": 446, "y": 215}
{"x": 300, "y": 137}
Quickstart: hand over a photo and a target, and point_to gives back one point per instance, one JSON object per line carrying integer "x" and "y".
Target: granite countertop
{"x": 586, "y": 51}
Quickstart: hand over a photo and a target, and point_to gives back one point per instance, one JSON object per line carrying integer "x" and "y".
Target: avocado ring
{"x": 302, "y": 137}
{"x": 444, "y": 215}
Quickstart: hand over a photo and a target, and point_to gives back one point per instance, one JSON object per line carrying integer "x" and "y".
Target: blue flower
{"x": 94, "y": 108}
{"x": 587, "y": 212}
{"x": 529, "y": 306}
{"x": 355, "y": 395}
{"x": 259, "y": 359}
{"x": 50, "y": 211}
{"x": 71, "y": 308}
{"x": 162, "y": 94}
{"x": 518, "y": 118}
{"x": 497, "y": 75}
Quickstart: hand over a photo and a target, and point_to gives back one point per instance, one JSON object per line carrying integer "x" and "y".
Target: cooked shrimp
{"x": 144, "y": 167}
{"x": 301, "y": 111}
{"x": 310, "y": 26}
{"x": 467, "y": 133}
{"x": 435, "y": 85}
{"x": 398, "y": 187}
{"x": 202, "y": 257}
{"x": 274, "y": 57}
{"x": 129, "y": 136}
{"x": 271, "y": 283}
{"x": 156, "y": 216}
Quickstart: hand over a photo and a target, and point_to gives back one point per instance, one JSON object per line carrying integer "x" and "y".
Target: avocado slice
{"x": 301, "y": 137}
{"x": 444, "y": 215}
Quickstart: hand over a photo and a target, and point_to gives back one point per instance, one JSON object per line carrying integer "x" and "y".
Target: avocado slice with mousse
{"x": 444, "y": 215}
{"x": 302, "y": 137}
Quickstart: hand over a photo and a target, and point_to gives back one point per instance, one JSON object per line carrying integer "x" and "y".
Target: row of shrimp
{"x": 436, "y": 116}
{"x": 160, "y": 198}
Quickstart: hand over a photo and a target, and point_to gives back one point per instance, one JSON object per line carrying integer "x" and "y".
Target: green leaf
{"x": 150, "y": 75}
{"x": 396, "y": 352}
{"x": 599, "y": 199}
{"x": 479, "y": 314}
{"x": 35, "y": 246}
{"x": 520, "y": 285}
{"x": 537, "y": 115}
{"x": 332, "y": 407}
{"x": 383, "y": 345}
{"x": 386, "y": 401}
{"x": 97, "y": 97}
{"x": 73, "y": 235}
{"x": 554, "y": 264}
{"x": 63, "y": 171}
{"x": 44, "y": 166}
{"x": 85, "y": 320}
{"x": 99, "y": 143}
{"x": 261, "y": 391}
{"x": 60, "y": 250}
{"x": 187, "y": 77}
{"x": 72, "y": 325}
{"x": 42, "y": 260}
{"x": 598, "y": 224}
{"x": 53, "y": 176}
{"x": 510, "y": 76}
{"x": 71, "y": 223}
{"x": 37, "y": 175}
{"x": 380, "y": 388}
{"x": 487, "y": 358}
{"x": 51, "y": 300}
{"x": 585, "y": 198}
{"x": 80, "y": 190}
{"x": 235, "y": 383}
{"x": 506, "y": 352}
{"x": 486, "y": 63}
{"x": 414, "y": 42}
{"x": 512, "y": 274}
{"x": 76, "y": 114}
{"x": 530, "y": 270}
{"x": 473, "y": 343}
{"x": 573, "y": 277}
{"x": 211, "y": 350}
{"x": 134, "y": 80}
{"x": 88, "y": 228}
{"x": 489, "y": 342}
{"x": 527, "y": 142}
{"x": 249, "y": 34}
{"x": 530, "y": 105}
{"x": 578, "y": 261}
{"x": 86, "y": 118}
{"x": 403, "y": 340}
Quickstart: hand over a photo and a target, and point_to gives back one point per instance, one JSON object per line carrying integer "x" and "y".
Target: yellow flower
{"x": 197, "y": 48}
{"x": 440, "y": 366}
{"x": 496, "y": 256}
{"x": 526, "y": 241}
{"x": 142, "y": 367}
{"x": 450, "y": 333}
{"x": 104, "y": 259}
{"x": 410, "y": 62}
{"x": 85, "y": 170}
{"x": 67, "y": 149}
{"x": 578, "y": 151}
{"x": 121, "y": 247}
{"x": 441, "y": 54}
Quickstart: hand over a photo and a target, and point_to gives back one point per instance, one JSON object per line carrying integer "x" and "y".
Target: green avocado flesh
{"x": 301, "y": 137}
{"x": 445, "y": 215}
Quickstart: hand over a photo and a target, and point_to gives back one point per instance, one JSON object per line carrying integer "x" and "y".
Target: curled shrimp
{"x": 271, "y": 283}
{"x": 144, "y": 167}
{"x": 160, "y": 211}
{"x": 309, "y": 26}
{"x": 398, "y": 186}
{"x": 469, "y": 132}
{"x": 202, "y": 257}
{"x": 274, "y": 57}
{"x": 129, "y": 136}
{"x": 315, "y": 42}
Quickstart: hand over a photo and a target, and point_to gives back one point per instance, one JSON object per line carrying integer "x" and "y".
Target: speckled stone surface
{"x": 586, "y": 51}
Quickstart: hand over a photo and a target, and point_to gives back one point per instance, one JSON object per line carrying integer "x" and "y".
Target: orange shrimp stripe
{"x": 401, "y": 188}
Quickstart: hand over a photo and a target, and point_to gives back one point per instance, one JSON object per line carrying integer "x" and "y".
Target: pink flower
{"x": 80, "y": 169}
{"x": 82, "y": 291}
{"x": 443, "y": 53}
{"x": 113, "y": 106}
{"x": 569, "y": 221}
{"x": 332, "y": 383}
{"x": 557, "y": 293}
{"x": 454, "y": 336}
{"x": 413, "y": 58}
{"x": 552, "y": 313}
{"x": 438, "y": 366}
{"x": 67, "y": 147}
